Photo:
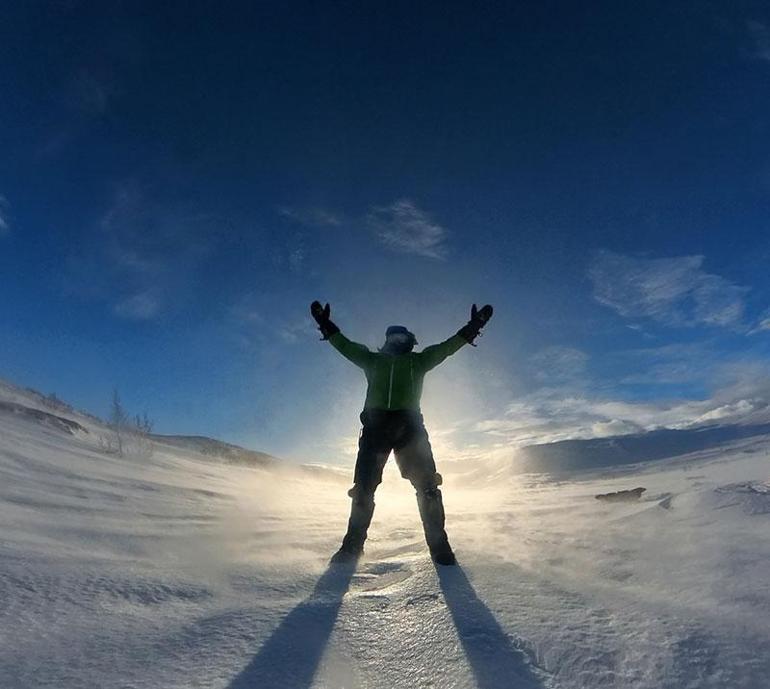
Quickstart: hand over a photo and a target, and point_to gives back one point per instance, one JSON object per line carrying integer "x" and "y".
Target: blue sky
{"x": 178, "y": 184}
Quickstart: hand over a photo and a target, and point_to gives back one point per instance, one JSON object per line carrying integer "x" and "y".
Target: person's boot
{"x": 432, "y": 514}
{"x": 361, "y": 511}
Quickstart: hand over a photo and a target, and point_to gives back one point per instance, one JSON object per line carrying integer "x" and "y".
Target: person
{"x": 392, "y": 420}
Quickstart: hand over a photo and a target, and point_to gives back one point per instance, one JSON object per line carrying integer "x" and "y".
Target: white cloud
{"x": 672, "y": 291}
{"x": 731, "y": 410}
{"x": 5, "y": 226}
{"x": 762, "y": 324}
{"x": 741, "y": 395}
{"x": 405, "y": 228}
{"x": 550, "y": 418}
{"x": 602, "y": 429}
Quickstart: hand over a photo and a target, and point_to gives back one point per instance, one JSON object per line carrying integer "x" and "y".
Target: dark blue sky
{"x": 179, "y": 182}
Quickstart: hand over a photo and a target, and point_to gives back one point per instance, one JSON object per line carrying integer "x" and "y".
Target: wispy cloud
{"x": 5, "y": 225}
{"x": 256, "y": 319}
{"x": 557, "y": 364}
{"x": 673, "y": 291}
{"x": 403, "y": 227}
{"x": 677, "y": 364}
{"x": 762, "y": 324}
{"x": 291, "y": 254}
{"x": 141, "y": 255}
{"x": 304, "y": 227}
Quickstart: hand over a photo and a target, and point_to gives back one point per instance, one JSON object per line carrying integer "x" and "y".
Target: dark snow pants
{"x": 403, "y": 432}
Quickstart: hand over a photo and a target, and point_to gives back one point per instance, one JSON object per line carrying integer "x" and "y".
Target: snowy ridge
{"x": 217, "y": 448}
{"x": 178, "y": 571}
{"x": 580, "y": 454}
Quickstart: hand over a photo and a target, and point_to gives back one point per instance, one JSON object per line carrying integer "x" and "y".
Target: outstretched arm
{"x": 353, "y": 351}
{"x": 357, "y": 353}
{"x": 432, "y": 356}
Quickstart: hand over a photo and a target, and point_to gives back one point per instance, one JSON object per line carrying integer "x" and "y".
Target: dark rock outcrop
{"x": 622, "y": 495}
{"x": 58, "y": 423}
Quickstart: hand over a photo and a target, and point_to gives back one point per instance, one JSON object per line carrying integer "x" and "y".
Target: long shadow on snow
{"x": 290, "y": 657}
{"x": 495, "y": 660}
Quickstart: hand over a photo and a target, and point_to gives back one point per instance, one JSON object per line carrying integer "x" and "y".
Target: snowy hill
{"x": 51, "y": 412}
{"x": 180, "y": 571}
{"x": 216, "y": 448}
{"x": 572, "y": 455}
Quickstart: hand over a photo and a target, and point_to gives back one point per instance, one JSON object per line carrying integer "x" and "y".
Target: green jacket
{"x": 395, "y": 381}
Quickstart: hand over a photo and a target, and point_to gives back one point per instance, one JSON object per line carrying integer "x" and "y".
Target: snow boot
{"x": 445, "y": 557}
{"x": 346, "y": 554}
{"x": 432, "y": 514}
{"x": 361, "y": 511}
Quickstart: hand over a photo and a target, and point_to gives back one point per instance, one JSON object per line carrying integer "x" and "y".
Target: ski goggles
{"x": 401, "y": 338}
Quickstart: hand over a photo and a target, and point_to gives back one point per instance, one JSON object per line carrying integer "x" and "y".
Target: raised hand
{"x": 483, "y": 316}
{"x": 479, "y": 317}
{"x": 322, "y": 314}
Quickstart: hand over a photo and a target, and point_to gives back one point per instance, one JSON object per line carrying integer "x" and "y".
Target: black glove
{"x": 321, "y": 315}
{"x": 470, "y": 331}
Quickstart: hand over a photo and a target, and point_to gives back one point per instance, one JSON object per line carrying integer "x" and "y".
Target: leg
{"x": 416, "y": 463}
{"x": 373, "y": 451}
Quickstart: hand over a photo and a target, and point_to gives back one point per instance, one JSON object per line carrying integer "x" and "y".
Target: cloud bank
{"x": 741, "y": 395}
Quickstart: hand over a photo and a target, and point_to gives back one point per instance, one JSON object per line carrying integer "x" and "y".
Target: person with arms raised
{"x": 392, "y": 420}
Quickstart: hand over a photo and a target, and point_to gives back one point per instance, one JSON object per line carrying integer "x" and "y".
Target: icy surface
{"x": 176, "y": 571}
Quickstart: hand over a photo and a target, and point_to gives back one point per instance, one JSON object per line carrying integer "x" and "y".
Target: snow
{"x": 181, "y": 571}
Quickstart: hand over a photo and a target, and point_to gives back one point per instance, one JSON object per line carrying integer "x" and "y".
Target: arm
{"x": 432, "y": 356}
{"x": 352, "y": 351}
{"x": 357, "y": 353}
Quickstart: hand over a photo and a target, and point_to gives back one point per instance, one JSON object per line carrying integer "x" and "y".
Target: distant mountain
{"x": 570, "y": 455}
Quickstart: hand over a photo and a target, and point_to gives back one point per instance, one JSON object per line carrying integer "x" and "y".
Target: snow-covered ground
{"x": 179, "y": 571}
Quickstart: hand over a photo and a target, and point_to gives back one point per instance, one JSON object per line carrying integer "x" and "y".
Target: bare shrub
{"x": 129, "y": 437}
